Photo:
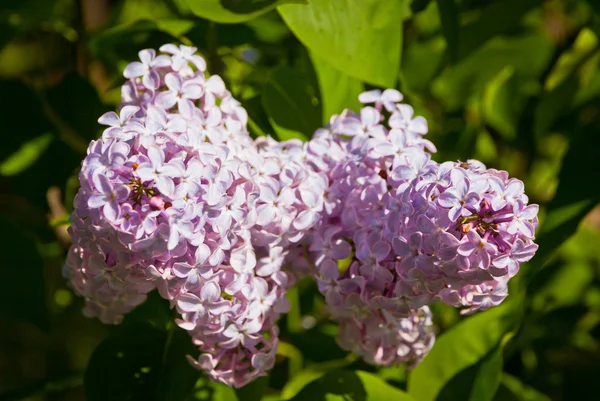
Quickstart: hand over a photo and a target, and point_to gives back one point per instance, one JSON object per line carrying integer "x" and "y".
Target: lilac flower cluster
{"x": 175, "y": 196}
{"x": 411, "y": 231}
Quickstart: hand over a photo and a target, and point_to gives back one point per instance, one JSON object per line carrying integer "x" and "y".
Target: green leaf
{"x": 360, "y": 38}
{"x": 500, "y": 105}
{"x": 234, "y": 11}
{"x": 496, "y": 19}
{"x": 291, "y": 109}
{"x": 144, "y": 358}
{"x": 350, "y": 385}
{"x": 574, "y": 198}
{"x": 478, "y": 382}
{"x": 464, "y": 345}
{"x": 23, "y": 158}
{"x": 449, "y": 18}
{"x": 419, "y": 5}
{"x": 338, "y": 90}
{"x": 511, "y": 389}
{"x": 127, "y": 365}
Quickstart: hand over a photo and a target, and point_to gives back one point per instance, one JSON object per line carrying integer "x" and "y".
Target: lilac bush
{"x": 177, "y": 197}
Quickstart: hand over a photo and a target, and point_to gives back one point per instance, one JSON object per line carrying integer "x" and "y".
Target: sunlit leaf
{"x": 27, "y": 155}
{"x": 350, "y": 385}
{"x": 360, "y": 38}
{"x": 144, "y": 358}
{"x": 232, "y": 11}
{"x": 292, "y": 111}
{"x": 511, "y": 389}
{"x": 338, "y": 90}
{"x": 465, "y": 344}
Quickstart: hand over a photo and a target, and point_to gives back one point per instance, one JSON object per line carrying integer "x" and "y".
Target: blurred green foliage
{"x": 513, "y": 83}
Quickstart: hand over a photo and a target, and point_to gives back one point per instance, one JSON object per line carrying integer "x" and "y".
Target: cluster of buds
{"x": 176, "y": 197}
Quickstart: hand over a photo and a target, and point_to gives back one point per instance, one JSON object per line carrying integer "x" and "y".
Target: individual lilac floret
{"x": 176, "y": 197}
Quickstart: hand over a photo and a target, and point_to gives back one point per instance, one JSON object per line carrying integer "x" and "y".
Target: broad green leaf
{"x": 417, "y": 6}
{"x": 449, "y": 18}
{"x": 23, "y": 158}
{"x": 512, "y": 389}
{"x": 144, "y": 358}
{"x": 127, "y": 365}
{"x": 360, "y": 38}
{"x": 291, "y": 109}
{"x": 528, "y": 55}
{"x": 338, "y": 90}
{"x": 234, "y": 11}
{"x": 350, "y": 385}
{"x": 478, "y": 382}
{"x": 500, "y": 105}
{"x": 463, "y": 345}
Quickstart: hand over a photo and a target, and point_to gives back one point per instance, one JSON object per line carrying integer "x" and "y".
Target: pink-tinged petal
{"x": 213, "y": 117}
{"x": 96, "y": 201}
{"x": 447, "y": 199}
{"x": 146, "y": 172}
{"x": 406, "y": 111}
{"x": 391, "y": 95}
{"x": 165, "y": 185}
{"x": 514, "y": 188}
{"x": 189, "y": 302}
{"x": 147, "y": 56}
{"x": 381, "y": 250}
{"x": 215, "y": 85}
{"x": 400, "y": 247}
{"x": 186, "y": 109}
{"x": 402, "y": 173}
{"x": 530, "y": 212}
{"x": 369, "y": 116}
{"x": 341, "y": 250}
{"x": 466, "y": 248}
{"x": 305, "y": 219}
{"x": 151, "y": 80}
{"x": 166, "y": 100}
{"x": 266, "y": 215}
{"x": 127, "y": 112}
{"x": 173, "y": 82}
{"x": 455, "y": 212}
{"x": 202, "y": 253}
{"x": 418, "y": 125}
{"x": 121, "y": 193}
{"x": 385, "y": 149}
{"x": 199, "y": 62}
{"x": 169, "y": 48}
{"x": 370, "y": 96}
{"x": 110, "y": 119}
{"x": 173, "y": 239}
{"x": 156, "y": 156}
{"x": 214, "y": 194}
{"x": 192, "y": 91}
{"x": 134, "y": 70}
{"x": 210, "y": 292}
{"x": 162, "y": 61}
{"x": 182, "y": 270}
{"x": 111, "y": 211}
